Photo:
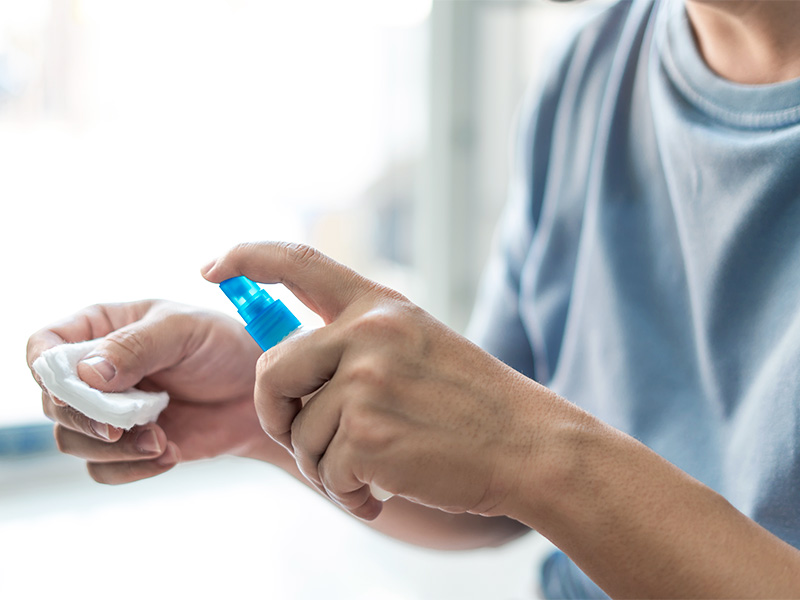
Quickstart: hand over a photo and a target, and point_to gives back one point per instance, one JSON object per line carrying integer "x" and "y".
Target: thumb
{"x": 125, "y": 356}
{"x": 324, "y": 285}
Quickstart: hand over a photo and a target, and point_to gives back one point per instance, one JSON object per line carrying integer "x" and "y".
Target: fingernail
{"x": 147, "y": 442}
{"x": 204, "y": 271}
{"x": 101, "y": 429}
{"x": 170, "y": 457}
{"x": 101, "y": 366}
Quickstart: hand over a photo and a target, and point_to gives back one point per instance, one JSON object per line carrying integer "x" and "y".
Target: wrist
{"x": 262, "y": 447}
{"x": 558, "y": 461}
{"x": 241, "y": 435}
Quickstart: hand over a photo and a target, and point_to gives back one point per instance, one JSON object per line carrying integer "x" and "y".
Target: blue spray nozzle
{"x": 247, "y": 296}
{"x": 267, "y": 320}
{"x": 240, "y": 290}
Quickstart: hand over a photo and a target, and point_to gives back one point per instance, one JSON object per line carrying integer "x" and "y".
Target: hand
{"x": 206, "y": 362}
{"x": 403, "y": 401}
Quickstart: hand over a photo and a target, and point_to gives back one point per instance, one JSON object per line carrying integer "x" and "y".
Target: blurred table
{"x": 226, "y": 528}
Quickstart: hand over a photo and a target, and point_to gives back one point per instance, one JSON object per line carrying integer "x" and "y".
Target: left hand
{"x": 407, "y": 404}
{"x": 205, "y": 360}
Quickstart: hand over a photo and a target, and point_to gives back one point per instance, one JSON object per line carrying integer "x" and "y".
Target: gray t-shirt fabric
{"x": 647, "y": 266}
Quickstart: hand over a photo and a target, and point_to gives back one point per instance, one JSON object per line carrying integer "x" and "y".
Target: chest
{"x": 666, "y": 301}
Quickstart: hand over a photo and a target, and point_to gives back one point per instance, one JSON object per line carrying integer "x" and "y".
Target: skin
{"x": 475, "y": 453}
{"x": 748, "y": 42}
{"x": 207, "y": 363}
{"x": 404, "y": 402}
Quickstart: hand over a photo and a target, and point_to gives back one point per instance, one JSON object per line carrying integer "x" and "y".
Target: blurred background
{"x": 138, "y": 140}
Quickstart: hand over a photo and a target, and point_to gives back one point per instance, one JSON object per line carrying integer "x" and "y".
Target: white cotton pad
{"x": 58, "y": 368}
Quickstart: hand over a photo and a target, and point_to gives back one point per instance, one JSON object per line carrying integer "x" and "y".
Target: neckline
{"x": 754, "y": 106}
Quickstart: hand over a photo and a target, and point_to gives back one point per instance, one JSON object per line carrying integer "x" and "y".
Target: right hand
{"x": 204, "y": 360}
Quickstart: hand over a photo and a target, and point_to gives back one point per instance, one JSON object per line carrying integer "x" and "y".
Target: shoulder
{"x": 583, "y": 60}
{"x": 562, "y": 106}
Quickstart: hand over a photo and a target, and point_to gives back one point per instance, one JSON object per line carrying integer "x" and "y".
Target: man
{"x": 646, "y": 270}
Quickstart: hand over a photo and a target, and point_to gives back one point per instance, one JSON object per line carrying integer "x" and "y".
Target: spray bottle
{"x": 269, "y": 322}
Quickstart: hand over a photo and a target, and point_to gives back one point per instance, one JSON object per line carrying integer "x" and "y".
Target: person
{"x": 634, "y": 394}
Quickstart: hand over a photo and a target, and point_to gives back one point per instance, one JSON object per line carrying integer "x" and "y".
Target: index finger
{"x": 324, "y": 285}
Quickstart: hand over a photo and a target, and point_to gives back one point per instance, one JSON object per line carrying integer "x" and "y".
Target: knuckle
{"x": 267, "y": 424}
{"x": 326, "y": 481}
{"x": 98, "y": 473}
{"x": 94, "y": 310}
{"x": 80, "y": 422}
{"x": 266, "y": 361}
{"x": 369, "y": 375}
{"x": 328, "y": 478}
{"x": 297, "y": 431}
{"x": 270, "y": 424}
{"x": 275, "y": 433}
{"x": 263, "y": 418}
{"x": 130, "y": 343}
{"x": 387, "y": 324}
{"x": 376, "y": 321}
{"x": 116, "y": 473}
{"x": 75, "y": 420}
{"x": 269, "y": 369}
{"x": 242, "y": 248}
{"x": 97, "y": 313}
{"x": 238, "y": 253}
{"x": 399, "y": 332}
{"x": 271, "y": 431}
{"x": 301, "y": 255}
{"x": 265, "y": 381}
{"x": 307, "y": 466}
{"x": 60, "y": 438}
{"x": 303, "y": 443}
{"x": 179, "y": 320}
{"x": 365, "y": 433}
{"x": 97, "y": 309}
{"x": 184, "y": 325}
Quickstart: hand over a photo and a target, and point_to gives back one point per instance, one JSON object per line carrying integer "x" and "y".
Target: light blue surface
{"x": 648, "y": 264}
{"x": 267, "y": 320}
{"x": 24, "y": 440}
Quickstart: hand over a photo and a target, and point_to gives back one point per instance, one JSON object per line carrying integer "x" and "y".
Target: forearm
{"x": 640, "y": 527}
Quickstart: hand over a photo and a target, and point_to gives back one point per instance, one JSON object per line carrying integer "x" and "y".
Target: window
{"x": 140, "y": 139}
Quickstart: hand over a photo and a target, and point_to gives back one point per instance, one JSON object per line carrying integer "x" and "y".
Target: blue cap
{"x": 267, "y": 320}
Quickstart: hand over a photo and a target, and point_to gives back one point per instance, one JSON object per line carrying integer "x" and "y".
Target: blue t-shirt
{"x": 647, "y": 267}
